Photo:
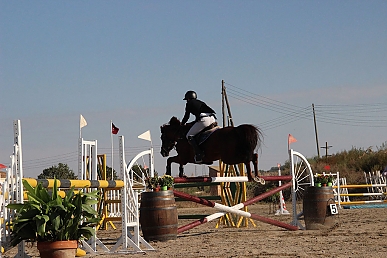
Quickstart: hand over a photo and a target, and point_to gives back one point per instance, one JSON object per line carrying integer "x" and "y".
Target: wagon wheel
{"x": 302, "y": 177}
{"x": 140, "y": 167}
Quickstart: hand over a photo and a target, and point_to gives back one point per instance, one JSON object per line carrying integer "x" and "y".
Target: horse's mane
{"x": 175, "y": 122}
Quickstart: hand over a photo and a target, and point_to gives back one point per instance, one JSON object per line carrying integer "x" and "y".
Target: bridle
{"x": 165, "y": 150}
{"x": 171, "y": 144}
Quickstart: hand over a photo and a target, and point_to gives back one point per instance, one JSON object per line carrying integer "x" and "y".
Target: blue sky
{"x": 132, "y": 62}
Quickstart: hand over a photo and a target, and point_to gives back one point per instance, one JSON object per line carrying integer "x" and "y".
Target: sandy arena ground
{"x": 358, "y": 233}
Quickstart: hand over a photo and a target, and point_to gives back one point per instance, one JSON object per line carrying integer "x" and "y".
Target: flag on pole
{"x": 115, "y": 129}
{"x": 145, "y": 136}
{"x": 2, "y": 166}
{"x": 291, "y": 139}
{"x": 82, "y": 122}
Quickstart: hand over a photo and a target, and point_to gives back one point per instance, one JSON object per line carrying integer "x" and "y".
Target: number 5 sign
{"x": 334, "y": 209}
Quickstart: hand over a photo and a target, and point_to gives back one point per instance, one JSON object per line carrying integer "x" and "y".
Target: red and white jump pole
{"x": 234, "y": 209}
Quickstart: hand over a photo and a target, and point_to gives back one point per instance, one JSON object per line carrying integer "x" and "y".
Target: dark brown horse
{"x": 231, "y": 145}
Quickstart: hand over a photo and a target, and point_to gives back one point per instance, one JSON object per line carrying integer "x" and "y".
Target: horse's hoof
{"x": 259, "y": 180}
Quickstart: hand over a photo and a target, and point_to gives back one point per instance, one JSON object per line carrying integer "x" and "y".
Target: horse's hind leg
{"x": 255, "y": 164}
{"x": 249, "y": 172}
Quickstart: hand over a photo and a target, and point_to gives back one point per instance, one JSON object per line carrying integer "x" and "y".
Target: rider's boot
{"x": 198, "y": 152}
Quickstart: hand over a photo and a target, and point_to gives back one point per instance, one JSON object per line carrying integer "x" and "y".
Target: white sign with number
{"x": 334, "y": 209}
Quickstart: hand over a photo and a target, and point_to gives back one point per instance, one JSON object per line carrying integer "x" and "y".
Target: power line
{"x": 365, "y": 115}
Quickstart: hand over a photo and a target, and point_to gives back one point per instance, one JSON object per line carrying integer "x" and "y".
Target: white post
{"x": 282, "y": 209}
{"x": 111, "y": 139}
{"x": 87, "y": 160}
{"x": 338, "y": 189}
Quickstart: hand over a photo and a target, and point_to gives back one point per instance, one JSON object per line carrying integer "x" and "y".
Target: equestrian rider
{"x": 204, "y": 116}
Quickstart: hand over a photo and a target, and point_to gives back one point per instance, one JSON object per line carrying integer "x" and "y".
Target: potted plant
{"x": 166, "y": 182}
{"x": 53, "y": 221}
{"x": 330, "y": 180}
{"x": 323, "y": 180}
{"x": 153, "y": 183}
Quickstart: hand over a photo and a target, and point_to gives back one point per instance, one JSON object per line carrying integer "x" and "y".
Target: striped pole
{"x": 362, "y": 194}
{"x": 234, "y": 209}
{"x": 68, "y": 183}
{"x": 233, "y": 179}
{"x": 361, "y": 186}
{"x": 364, "y": 202}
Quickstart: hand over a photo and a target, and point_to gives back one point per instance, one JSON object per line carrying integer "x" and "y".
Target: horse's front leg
{"x": 168, "y": 170}
{"x": 181, "y": 171}
{"x": 175, "y": 159}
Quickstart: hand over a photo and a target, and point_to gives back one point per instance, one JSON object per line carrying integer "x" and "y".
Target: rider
{"x": 204, "y": 115}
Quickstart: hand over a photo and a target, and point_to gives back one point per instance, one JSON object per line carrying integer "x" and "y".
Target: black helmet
{"x": 190, "y": 95}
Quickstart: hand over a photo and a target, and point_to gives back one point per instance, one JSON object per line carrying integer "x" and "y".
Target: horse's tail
{"x": 250, "y": 138}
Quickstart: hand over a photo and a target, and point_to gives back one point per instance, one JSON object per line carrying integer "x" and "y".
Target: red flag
{"x": 291, "y": 139}
{"x": 2, "y": 166}
{"x": 115, "y": 129}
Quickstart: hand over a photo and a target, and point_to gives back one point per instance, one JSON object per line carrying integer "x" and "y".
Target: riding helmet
{"x": 190, "y": 95}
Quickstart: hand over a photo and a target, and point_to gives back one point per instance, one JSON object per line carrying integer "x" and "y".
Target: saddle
{"x": 203, "y": 135}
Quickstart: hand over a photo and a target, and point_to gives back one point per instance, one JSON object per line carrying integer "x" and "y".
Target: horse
{"x": 231, "y": 145}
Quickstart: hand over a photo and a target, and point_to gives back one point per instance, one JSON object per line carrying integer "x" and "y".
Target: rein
{"x": 177, "y": 136}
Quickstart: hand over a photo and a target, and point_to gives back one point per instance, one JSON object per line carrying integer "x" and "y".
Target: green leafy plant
{"x": 323, "y": 179}
{"x": 152, "y": 182}
{"x": 49, "y": 217}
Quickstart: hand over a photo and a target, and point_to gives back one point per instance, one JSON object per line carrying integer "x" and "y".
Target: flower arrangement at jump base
{"x": 323, "y": 180}
{"x": 158, "y": 183}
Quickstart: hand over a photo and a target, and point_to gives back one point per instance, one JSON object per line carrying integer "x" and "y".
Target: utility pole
{"x": 224, "y": 99}
{"x": 326, "y": 149}
{"x": 315, "y": 130}
{"x": 223, "y": 107}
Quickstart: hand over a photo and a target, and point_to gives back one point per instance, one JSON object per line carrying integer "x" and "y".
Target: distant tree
{"x": 62, "y": 171}
{"x": 109, "y": 173}
{"x": 138, "y": 171}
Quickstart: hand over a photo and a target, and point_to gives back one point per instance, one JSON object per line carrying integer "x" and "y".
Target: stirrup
{"x": 198, "y": 158}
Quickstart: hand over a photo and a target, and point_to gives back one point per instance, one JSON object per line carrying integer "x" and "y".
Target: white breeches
{"x": 204, "y": 121}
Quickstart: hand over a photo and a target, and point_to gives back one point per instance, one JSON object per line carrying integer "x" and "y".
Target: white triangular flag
{"x": 145, "y": 136}
{"x": 82, "y": 122}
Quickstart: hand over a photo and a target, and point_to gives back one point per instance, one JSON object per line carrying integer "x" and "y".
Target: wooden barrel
{"x": 316, "y": 209}
{"x": 158, "y": 216}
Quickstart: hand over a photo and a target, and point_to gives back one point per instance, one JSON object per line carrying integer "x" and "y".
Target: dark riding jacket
{"x": 196, "y": 107}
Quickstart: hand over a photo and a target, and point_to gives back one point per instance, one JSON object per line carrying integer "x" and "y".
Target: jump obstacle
{"x": 130, "y": 238}
{"x": 376, "y": 187}
{"x": 181, "y": 182}
{"x": 234, "y": 209}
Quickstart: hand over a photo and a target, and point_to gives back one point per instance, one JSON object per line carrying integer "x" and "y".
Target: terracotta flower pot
{"x": 58, "y": 249}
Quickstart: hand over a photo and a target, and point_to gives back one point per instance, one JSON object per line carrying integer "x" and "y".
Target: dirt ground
{"x": 357, "y": 233}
